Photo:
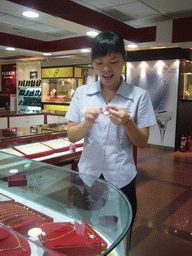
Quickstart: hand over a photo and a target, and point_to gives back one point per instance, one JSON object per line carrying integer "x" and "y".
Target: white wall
{"x": 24, "y": 69}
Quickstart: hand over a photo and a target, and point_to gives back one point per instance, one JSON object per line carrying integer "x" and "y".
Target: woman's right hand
{"x": 92, "y": 114}
{"x": 77, "y": 131}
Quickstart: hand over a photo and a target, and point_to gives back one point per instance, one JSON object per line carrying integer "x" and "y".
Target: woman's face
{"x": 109, "y": 69}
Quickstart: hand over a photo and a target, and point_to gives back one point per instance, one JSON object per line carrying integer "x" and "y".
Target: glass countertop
{"x": 5, "y": 112}
{"x": 67, "y": 202}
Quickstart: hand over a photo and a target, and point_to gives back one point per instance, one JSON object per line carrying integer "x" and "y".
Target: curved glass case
{"x": 72, "y": 213}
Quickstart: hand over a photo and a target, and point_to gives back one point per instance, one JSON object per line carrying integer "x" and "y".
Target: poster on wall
{"x": 160, "y": 79}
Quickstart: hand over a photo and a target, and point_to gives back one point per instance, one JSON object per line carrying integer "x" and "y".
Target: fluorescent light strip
{"x": 30, "y": 14}
{"x": 10, "y": 49}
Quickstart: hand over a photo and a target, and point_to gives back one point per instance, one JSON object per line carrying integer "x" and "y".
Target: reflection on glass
{"x": 163, "y": 117}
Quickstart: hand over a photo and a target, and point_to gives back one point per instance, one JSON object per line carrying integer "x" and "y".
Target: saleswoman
{"x": 111, "y": 116}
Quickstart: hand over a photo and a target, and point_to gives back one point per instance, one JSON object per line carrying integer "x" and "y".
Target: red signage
{"x": 8, "y": 78}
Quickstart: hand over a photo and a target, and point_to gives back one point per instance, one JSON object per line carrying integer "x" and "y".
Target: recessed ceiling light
{"x": 85, "y": 50}
{"x": 10, "y": 49}
{"x": 132, "y": 46}
{"x": 30, "y": 14}
{"x": 46, "y": 54}
{"x": 92, "y": 33}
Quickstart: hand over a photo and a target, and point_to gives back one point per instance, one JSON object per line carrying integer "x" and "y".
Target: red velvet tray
{"x": 34, "y": 150}
{"x": 5, "y": 199}
{"x": 21, "y": 218}
{"x": 58, "y": 145}
{"x": 79, "y": 144}
{"x": 12, "y": 244}
{"x": 72, "y": 238}
{"x": 12, "y": 151}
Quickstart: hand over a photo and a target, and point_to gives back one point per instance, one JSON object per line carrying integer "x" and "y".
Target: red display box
{"x": 72, "y": 147}
{"x": 12, "y": 244}
{"x": 72, "y": 238}
{"x": 17, "y": 180}
{"x": 20, "y": 217}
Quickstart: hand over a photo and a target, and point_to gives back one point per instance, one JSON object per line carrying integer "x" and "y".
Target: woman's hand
{"x": 139, "y": 136}
{"x": 117, "y": 115}
{"x": 92, "y": 114}
{"x": 77, "y": 131}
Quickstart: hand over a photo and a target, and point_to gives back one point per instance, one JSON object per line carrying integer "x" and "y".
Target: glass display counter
{"x": 59, "y": 90}
{"x": 57, "y": 93}
{"x": 186, "y": 80}
{"x": 48, "y": 210}
{"x": 13, "y": 136}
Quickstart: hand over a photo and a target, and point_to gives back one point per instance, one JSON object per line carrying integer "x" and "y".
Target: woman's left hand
{"x": 118, "y": 115}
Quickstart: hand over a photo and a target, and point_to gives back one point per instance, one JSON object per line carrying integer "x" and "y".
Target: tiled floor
{"x": 163, "y": 225}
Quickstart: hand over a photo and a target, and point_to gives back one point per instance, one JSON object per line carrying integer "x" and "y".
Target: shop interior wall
{"x": 53, "y": 62}
{"x": 24, "y": 69}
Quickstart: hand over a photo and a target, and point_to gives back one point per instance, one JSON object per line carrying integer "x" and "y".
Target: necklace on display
{"x": 73, "y": 228}
{"x": 14, "y": 248}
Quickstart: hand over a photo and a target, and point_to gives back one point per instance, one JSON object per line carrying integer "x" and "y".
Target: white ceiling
{"x": 140, "y": 13}
{"x": 135, "y": 13}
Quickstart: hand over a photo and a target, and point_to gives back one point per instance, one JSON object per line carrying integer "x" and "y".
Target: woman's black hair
{"x": 107, "y": 42}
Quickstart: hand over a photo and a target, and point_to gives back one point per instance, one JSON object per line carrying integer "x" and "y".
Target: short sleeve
{"x": 146, "y": 115}
{"x": 73, "y": 112}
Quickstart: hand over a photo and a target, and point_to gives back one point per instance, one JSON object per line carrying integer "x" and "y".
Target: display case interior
{"x": 59, "y": 90}
{"x": 19, "y": 245}
{"x": 27, "y": 135}
{"x": 59, "y": 210}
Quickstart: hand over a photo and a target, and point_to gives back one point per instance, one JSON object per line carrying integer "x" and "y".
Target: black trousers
{"x": 130, "y": 192}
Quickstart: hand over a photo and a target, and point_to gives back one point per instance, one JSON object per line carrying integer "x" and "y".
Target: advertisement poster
{"x": 160, "y": 79}
{"x": 8, "y": 78}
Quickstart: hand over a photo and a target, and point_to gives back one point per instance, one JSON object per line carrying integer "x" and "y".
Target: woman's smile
{"x": 108, "y": 77}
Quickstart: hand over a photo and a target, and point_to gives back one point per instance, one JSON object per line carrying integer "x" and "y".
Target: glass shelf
{"x": 69, "y": 202}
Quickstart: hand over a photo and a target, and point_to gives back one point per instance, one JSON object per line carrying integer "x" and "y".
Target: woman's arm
{"x": 139, "y": 136}
{"x": 76, "y": 131}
